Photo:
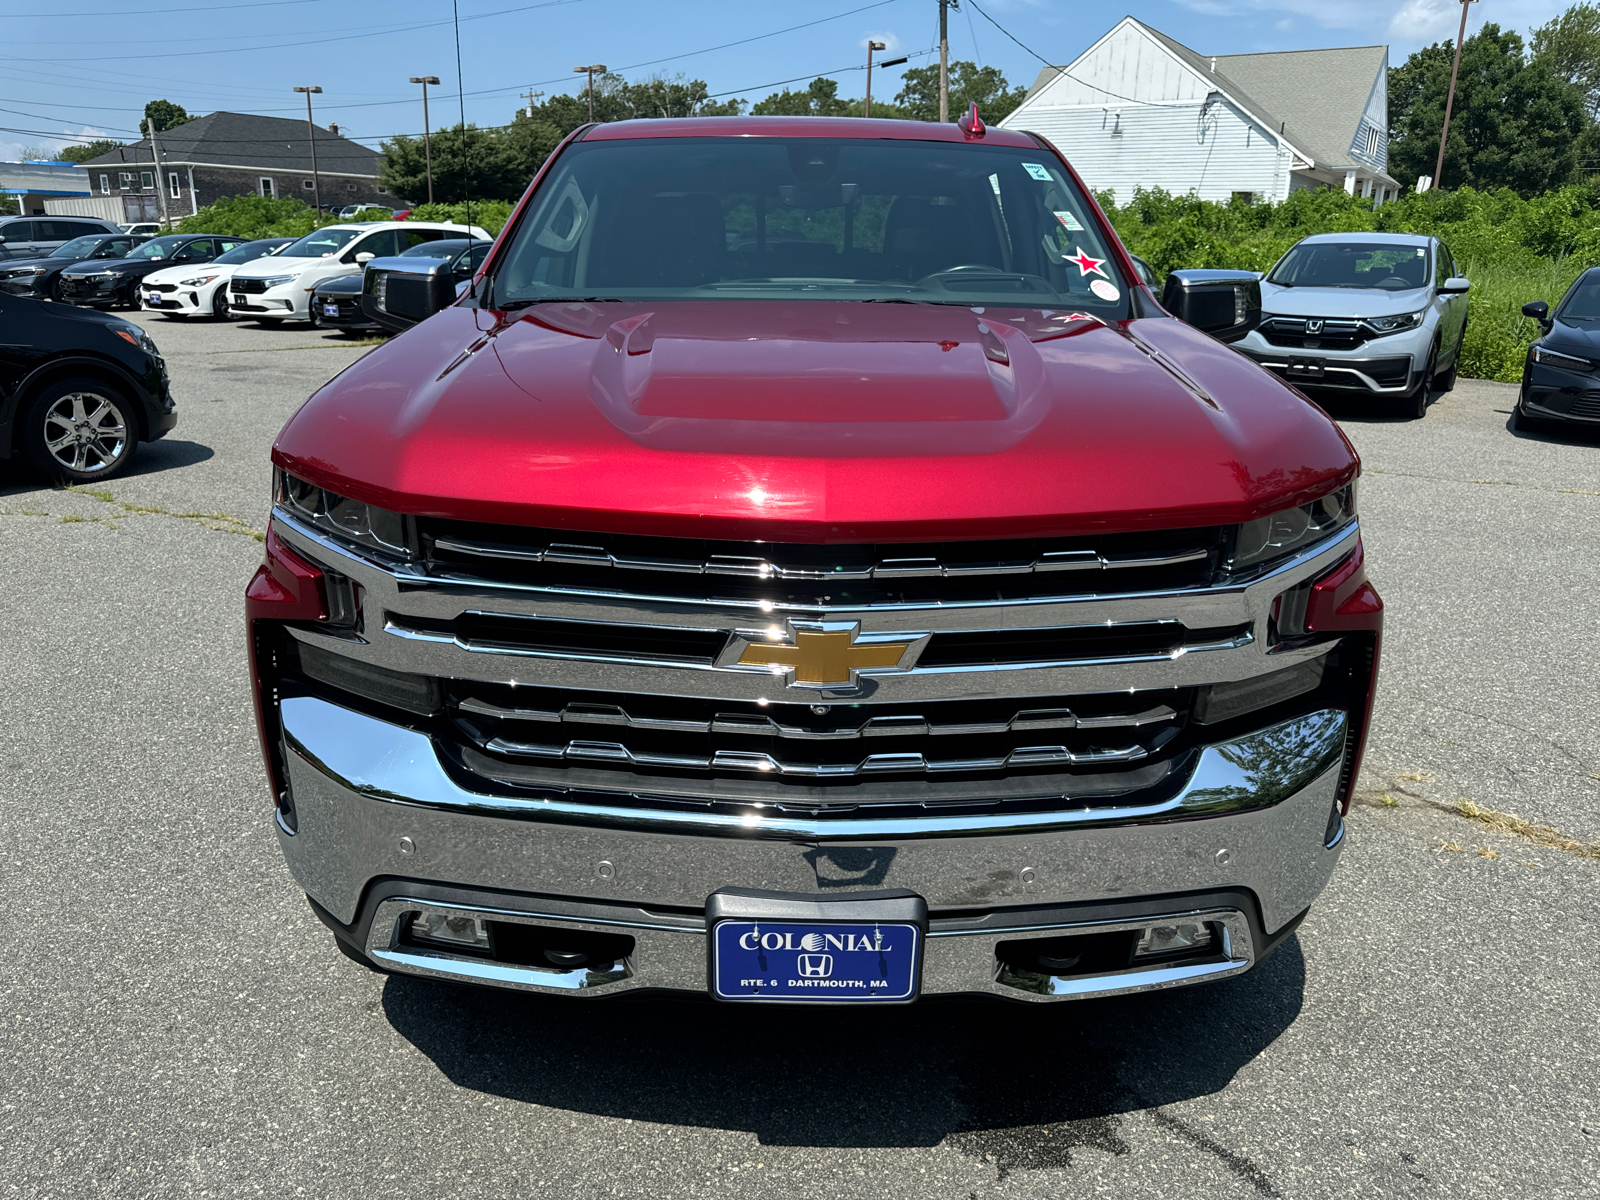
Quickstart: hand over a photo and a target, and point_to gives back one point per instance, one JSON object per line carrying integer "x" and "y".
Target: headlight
{"x": 197, "y": 281}
{"x": 1397, "y": 324}
{"x": 25, "y": 272}
{"x": 342, "y": 518}
{"x": 129, "y": 332}
{"x": 1550, "y": 358}
{"x": 277, "y": 280}
{"x": 1283, "y": 533}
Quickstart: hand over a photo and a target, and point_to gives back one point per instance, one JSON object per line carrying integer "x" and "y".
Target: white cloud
{"x": 1425, "y": 20}
{"x": 1415, "y": 22}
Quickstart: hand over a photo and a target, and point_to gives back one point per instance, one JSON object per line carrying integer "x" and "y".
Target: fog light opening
{"x": 1179, "y": 938}
{"x": 454, "y": 931}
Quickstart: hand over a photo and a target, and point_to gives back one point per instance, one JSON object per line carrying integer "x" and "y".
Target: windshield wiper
{"x": 511, "y": 305}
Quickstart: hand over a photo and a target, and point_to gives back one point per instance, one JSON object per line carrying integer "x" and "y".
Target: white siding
{"x": 1375, "y": 117}
{"x": 1133, "y": 115}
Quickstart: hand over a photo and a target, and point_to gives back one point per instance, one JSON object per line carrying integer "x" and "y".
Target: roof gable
{"x": 1320, "y": 94}
{"x": 249, "y": 142}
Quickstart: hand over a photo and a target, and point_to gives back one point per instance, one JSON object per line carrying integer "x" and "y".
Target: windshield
{"x": 321, "y": 243}
{"x": 1583, "y": 301}
{"x": 1352, "y": 265}
{"x": 77, "y": 248}
{"x": 448, "y": 248}
{"x": 248, "y": 252}
{"x": 810, "y": 218}
{"x": 159, "y": 248}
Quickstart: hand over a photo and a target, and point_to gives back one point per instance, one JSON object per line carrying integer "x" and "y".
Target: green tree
{"x": 1570, "y": 46}
{"x": 251, "y": 216}
{"x": 659, "y": 97}
{"x": 996, "y": 98}
{"x": 1515, "y": 122}
{"x": 165, "y": 114}
{"x": 468, "y": 163}
{"x": 90, "y": 150}
{"x": 820, "y": 99}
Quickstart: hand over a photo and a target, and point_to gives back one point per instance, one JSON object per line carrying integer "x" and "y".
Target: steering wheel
{"x": 936, "y": 279}
{"x": 1395, "y": 283}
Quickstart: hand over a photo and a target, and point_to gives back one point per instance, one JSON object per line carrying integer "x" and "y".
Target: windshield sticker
{"x": 1070, "y": 221}
{"x": 1035, "y": 171}
{"x": 1085, "y": 263}
{"x": 1105, "y": 290}
{"x": 1421, "y": 252}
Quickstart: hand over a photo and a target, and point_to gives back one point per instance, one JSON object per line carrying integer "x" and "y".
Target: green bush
{"x": 251, "y": 217}
{"x": 488, "y": 214}
{"x": 1513, "y": 250}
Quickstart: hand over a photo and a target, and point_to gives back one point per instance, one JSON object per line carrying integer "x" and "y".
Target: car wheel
{"x": 1447, "y": 381}
{"x": 1414, "y": 404}
{"x": 79, "y": 430}
{"x": 219, "y": 305}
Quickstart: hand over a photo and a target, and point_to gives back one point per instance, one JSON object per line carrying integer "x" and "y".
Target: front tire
{"x": 1414, "y": 404}
{"x": 79, "y": 430}
{"x": 219, "y": 306}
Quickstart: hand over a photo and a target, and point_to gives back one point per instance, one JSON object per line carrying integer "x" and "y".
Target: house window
{"x": 349, "y": 187}
{"x": 124, "y": 179}
{"x": 1247, "y": 197}
{"x": 172, "y": 184}
{"x": 268, "y": 188}
{"x": 1369, "y": 140}
{"x": 105, "y": 185}
{"x": 308, "y": 184}
{"x": 383, "y": 191}
{"x": 147, "y": 180}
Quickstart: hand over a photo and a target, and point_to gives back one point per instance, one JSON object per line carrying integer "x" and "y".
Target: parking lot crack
{"x": 1509, "y": 483}
{"x": 218, "y": 522}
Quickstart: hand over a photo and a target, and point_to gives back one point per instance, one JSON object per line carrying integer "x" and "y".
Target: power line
{"x": 153, "y": 12}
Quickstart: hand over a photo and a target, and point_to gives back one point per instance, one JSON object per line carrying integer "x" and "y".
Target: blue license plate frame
{"x": 815, "y": 961}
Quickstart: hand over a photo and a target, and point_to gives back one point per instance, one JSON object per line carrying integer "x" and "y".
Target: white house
{"x": 1138, "y": 109}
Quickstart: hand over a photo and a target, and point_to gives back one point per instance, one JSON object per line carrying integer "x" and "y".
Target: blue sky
{"x": 87, "y": 68}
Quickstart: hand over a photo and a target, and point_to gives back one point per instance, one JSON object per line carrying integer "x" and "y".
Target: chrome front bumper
{"x": 374, "y": 802}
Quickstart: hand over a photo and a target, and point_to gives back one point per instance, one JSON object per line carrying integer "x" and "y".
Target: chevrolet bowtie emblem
{"x": 822, "y": 654}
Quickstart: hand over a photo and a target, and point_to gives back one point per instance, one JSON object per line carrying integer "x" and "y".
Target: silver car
{"x": 1379, "y": 313}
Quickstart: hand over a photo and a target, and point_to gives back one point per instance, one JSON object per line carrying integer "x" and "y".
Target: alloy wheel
{"x": 85, "y": 432}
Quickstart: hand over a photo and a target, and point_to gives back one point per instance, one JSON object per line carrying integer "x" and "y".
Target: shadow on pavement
{"x": 1026, "y": 1084}
{"x": 166, "y": 454}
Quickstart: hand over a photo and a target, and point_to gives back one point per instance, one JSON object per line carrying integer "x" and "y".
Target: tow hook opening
{"x": 1075, "y": 956}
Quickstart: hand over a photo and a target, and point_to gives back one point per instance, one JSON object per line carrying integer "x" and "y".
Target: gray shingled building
{"x": 1138, "y": 109}
{"x": 234, "y": 154}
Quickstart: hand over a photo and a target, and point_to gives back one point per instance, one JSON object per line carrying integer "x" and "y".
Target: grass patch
{"x": 219, "y": 522}
{"x": 1515, "y": 826}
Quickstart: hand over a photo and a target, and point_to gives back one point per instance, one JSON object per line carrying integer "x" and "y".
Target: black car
{"x": 113, "y": 284}
{"x": 336, "y": 304}
{"x": 464, "y": 256}
{"x": 1561, "y": 375}
{"x": 41, "y": 276}
{"x": 78, "y": 390}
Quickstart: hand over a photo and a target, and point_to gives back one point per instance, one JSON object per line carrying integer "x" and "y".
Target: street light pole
{"x": 944, "y": 61}
{"x": 866, "y": 106}
{"x": 1450, "y": 100}
{"x": 427, "y": 127}
{"x": 590, "y": 71}
{"x": 311, "y": 131}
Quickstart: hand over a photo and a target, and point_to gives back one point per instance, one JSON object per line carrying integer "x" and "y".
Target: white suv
{"x": 279, "y": 288}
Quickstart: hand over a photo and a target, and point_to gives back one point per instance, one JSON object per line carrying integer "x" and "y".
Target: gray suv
{"x": 1377, "y": 313}
{"x": 35, "y": 237}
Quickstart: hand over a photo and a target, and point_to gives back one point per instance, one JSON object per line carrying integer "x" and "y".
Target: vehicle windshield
{"x": 248, "y": 252}
{"x": 813, "y": 219}
{"x": 1583, "y": 301}
{"x": 1352, "y": 265}
{"x": 320, "y": 243}
{"x": 80, "y": 247}
{"x": 157, "y": 248}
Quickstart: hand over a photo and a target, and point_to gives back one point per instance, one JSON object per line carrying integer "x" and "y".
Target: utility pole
{"x": 1450, "y": 100}
{"x": 161, "y": 184}
{"x": 427, "y": 127}
{"x": 532, "y": 97}
{"x": 311, "y": 131}
{"x": 944, "y": 61}
{"x": 866, "y": 106}
{"x": 590, "y": 71}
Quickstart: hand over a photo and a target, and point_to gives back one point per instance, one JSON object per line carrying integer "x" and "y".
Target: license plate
{"x": 1307, "y": 368}
{"x": 330, "y": 310}
{"x": 802, "y": 960}
{"x": 152, "y": 297}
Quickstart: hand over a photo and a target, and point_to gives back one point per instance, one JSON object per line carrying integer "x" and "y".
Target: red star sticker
{"x": 1085, "y": 263}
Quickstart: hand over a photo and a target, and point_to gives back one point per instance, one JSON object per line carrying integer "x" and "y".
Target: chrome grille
{"x": 249, "y": 287}
{"x": 1332, "y": 334}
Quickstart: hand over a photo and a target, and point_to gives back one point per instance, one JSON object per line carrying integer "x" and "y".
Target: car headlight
{"x": 340, "y": 517}
{"x": 197, "y": 281}
{"x": 1268, "y": 539}
{"x": 1550, "y": 358}
{"x": 129, "y": 332}
{"x": 25, "y": 272}
{"x": 1395, "y": 324}
{"x": 277, "y": 280}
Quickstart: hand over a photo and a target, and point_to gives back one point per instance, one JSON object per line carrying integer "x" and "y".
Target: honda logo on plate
{"x": 816, "y": 966}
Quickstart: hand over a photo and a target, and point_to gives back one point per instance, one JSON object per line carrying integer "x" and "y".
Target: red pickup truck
{"x": 806, "y": 564}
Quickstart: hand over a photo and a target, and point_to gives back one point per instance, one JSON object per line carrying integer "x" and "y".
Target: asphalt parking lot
{"x": 175, "y": 1022}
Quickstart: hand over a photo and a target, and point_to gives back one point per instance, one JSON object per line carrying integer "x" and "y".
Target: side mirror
{"x": 398, "y": 292}
{"x": 1225, "y": 304}
{"x": 365, "y": 257}
{"x": 1455, "y": 285}
{"x": 1537, "y": 309}
{"x": 1147, "y": 275}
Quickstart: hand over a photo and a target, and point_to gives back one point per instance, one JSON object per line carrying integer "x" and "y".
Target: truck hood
{"x": 814, "y": 421}
{"x": 1277, "y": 300}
